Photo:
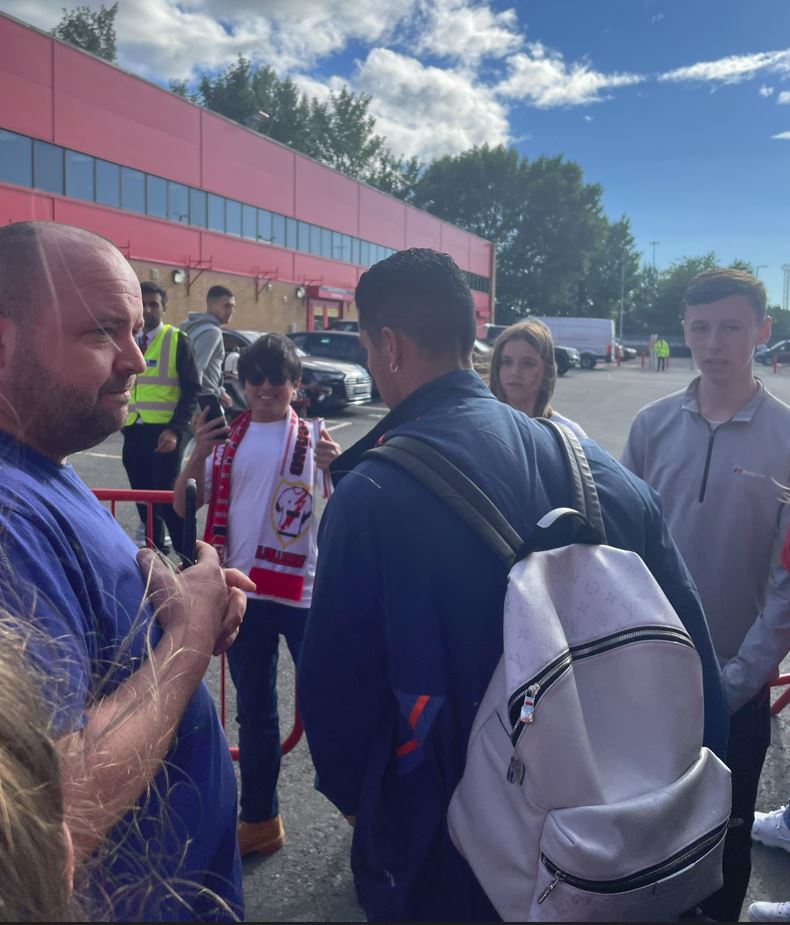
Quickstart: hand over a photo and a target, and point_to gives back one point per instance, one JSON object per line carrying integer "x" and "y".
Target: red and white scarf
{"x": 283, "y": 548}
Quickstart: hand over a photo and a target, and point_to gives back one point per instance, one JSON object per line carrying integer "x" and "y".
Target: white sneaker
{"x": 769, "y": 912}
{"x": 771, "y": 830}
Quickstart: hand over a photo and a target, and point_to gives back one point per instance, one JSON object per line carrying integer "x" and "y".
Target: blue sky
{"x": 680, "y": 109}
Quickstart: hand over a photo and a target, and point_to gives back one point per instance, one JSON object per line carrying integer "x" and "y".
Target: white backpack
{"x": 587, "y": 794}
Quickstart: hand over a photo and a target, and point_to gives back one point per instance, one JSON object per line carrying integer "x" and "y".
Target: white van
{"x": 592, "y": 337}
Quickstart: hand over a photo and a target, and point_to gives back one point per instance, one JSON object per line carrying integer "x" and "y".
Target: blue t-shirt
{"x": 69, "y": 569}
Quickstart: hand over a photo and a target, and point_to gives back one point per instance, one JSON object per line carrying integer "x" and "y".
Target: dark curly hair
{"x": 422, "y": 293}
{"x": 719, "y": 283}
{"x": 272, "y": 357}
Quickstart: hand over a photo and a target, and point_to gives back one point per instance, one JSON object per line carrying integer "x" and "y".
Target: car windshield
{"x": 251, "y": 336}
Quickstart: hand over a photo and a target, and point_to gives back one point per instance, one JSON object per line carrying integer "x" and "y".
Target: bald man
{"x": 148, "y": 785}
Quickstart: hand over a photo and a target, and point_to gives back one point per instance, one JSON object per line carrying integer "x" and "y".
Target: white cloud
{"x": 732, "y": 69}
{"x": 428, "y": 111}
{"x": 784, "y": 97}
{"x": 588, "y": 118}
{"x": 782, "y": 136}
{"x": 656, "y": 17}
{"x": 541, "y": 76}
{"x": 766, "y": 91}
{"x": 467, "y": 31}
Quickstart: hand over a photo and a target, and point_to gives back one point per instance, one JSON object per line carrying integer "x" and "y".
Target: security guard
{"x": 162, "y": 404}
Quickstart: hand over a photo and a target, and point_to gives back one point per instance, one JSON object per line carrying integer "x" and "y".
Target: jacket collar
{"x": 460, "y": 383}
{"x": 690, "y": 402}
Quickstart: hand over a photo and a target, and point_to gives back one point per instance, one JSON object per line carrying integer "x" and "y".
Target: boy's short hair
{"x": 218, "y": 292}
{"x": 423, "y": 293}
{"x": 147, "y": 286}
{"x": 272, "y": 357}
{"x": 719, "y": 283}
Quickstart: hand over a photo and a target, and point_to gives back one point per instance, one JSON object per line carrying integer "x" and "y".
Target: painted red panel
{"x": 327, "y": 272}
{"x": 482, "y": 306}
{"x": 237, "y": 255}
{"x": 17, "y": 205}
{"x": 105, "y": 112}
{"x": 325, "y": 197}
{"x": 382, "y": 218}
{"x": 142, "y": 238}
{"x": 244, "y": 166}
{"x": 456, "y": 243}
{"x": 479, "y": 257}
{"x": 26, "y": 80}
{"x": 422, "y": 230}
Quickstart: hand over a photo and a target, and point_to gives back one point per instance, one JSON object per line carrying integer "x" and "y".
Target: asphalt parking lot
{"x": 310, "y": 880}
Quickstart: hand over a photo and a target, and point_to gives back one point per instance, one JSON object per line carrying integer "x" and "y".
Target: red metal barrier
{"x": 149, "y": 499}
{"x": 782, "y": 701}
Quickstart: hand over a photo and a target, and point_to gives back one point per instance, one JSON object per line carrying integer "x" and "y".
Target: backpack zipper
{"x": 645, "y": 877}
{"x": 523, "y": 703}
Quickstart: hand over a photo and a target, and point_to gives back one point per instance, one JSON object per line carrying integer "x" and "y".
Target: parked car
{"x": 626, "y": 353}
{"x": 327, "y": 385}
{"x": 780, "y": 350}
{"x": 334, "y": 345}
{"x": 343, "y": 324}
{"x": 566, "y": 358}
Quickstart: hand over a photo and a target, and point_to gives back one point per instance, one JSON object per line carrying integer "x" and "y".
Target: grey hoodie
{"x": 720, "y": 490}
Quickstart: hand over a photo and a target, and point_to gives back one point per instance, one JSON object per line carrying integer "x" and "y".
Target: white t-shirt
{"x": 254, "y": 470}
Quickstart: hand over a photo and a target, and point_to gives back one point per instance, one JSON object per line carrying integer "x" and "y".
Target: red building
{"x": 193, "y": 199}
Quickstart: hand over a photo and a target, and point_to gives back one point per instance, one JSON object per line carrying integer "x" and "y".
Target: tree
{"x": 557, "y": 253}
{"x": 91, "y": 30}
{"x": 339, "y": 131}
{"x": 662, "y": 315}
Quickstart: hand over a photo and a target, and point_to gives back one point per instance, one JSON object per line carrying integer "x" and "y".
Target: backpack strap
{"x": 445, "y": 480}
{"x": 585, "y": 494}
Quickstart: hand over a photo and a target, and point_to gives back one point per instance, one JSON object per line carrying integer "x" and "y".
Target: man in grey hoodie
{"x": 205, "y": 337}
{"x": 719, "y": 453}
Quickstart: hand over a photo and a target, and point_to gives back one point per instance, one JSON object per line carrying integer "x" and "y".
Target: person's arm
{"x": 109, "y": 762}
{"x": 207, "y": 435}
{"x": 668, "y": 568}
{"x": 188, "y": 384}
{"x": 204, "y": 342}
{"x": 342, "y": 677}
{"x": 767, "y": 641}
{"x": 633, "y": 456}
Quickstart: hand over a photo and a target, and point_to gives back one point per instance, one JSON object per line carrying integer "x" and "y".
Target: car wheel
{"x": 587, "y": 361}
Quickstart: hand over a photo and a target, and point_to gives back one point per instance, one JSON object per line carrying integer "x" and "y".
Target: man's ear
{"x": 764, "y": 331}
{"x": 391, "y": 347}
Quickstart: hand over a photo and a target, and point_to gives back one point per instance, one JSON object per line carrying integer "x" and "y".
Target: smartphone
{"x": 190, "y": 521}
{"x": 209, "y": 400}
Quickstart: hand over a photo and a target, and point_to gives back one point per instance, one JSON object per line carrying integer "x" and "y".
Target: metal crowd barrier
{"x": 149, "y": 498}
{"x": 782, "y": 701}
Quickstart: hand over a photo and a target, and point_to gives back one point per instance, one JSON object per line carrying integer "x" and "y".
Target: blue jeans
{"x": 252, "y": 660}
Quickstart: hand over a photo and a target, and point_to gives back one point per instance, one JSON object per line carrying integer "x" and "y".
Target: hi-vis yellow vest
{"x": 156, "y": 391}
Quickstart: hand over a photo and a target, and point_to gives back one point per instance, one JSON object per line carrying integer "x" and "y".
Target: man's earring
{"x": 394, "y": 367}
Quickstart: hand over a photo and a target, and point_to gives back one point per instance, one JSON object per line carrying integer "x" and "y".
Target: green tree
{"x": 91, "y": 30}
{"x": 339, "y": 131}
{"x": 663, "y": 314}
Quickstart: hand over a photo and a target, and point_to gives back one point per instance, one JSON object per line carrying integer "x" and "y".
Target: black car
{"x": 327, "y": 385}
{"x": 334, "y": 345}
{"x": 343, "y": 324}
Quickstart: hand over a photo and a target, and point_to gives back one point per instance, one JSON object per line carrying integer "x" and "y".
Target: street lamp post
{"x": 622, "y": 291}
{"x": 760, "y": 266}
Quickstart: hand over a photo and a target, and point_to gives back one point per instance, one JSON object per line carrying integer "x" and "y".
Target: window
{"x": 47, "y": 167}
{"x": 197, "y": 208}
{"x": 326, "y": 242}
{"x": 216, "y": 212}
{"x": 265, "y": 226}
{"x": 79, "y": 175}
{"x": 249, "y": 222}
{"x": 177, "y": 203}
{"x": 108, "y": 184}
{"x": 132, "y": 190}
{"x": 156, "y": 196}
{"x": 233, "y": 217}
{"x": 315, "y": 239}
{"x": 290, "y": 233}
{"x": 355, "y": 250}
{"x": 278, "y": 230}
{"x": 341, "y": 246}
{"x": 303, "y": 237}
{"x": 16, "y": 162}
{"x": 364, "y": 253}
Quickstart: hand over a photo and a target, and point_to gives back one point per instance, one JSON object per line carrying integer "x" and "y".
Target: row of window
{"x": 38, "y": 164}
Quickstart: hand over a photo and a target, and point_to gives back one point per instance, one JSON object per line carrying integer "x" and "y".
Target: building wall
{"x": 58, "y": 94}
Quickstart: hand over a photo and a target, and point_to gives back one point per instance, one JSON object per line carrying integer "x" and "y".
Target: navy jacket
{"x": 405, "y": 631}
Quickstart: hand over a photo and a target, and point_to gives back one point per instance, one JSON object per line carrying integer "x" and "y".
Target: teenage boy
{"x": 260, "y": 487}
{"x": 719, "y": 454}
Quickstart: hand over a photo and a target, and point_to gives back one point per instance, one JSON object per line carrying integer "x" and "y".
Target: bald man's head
{"x": 32, "y": 255}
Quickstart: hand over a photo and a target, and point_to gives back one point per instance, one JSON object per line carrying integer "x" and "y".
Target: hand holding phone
{"x": 211, "y": 401}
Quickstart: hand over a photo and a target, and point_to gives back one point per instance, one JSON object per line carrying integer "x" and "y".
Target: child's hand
{"x": 325, "y": 450}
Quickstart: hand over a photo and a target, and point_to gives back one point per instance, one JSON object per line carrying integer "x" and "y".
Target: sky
{"x": 680, "y": 109}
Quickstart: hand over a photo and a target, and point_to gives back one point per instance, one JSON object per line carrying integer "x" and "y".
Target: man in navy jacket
{"x": 406, "y": 622}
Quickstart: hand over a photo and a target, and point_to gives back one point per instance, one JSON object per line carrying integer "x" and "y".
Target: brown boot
{"x": 261, "y": 837}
